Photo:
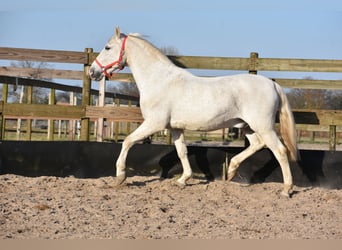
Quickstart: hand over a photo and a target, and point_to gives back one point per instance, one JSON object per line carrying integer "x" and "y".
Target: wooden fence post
{"x": 86, "y": 96}
{"x": 21, "y": 97}
{"x": 4, "y": 100}
{"x": 252, "y": 69}
{"x": 332, "y": 137}
{"x": 101, "y": 103}
{"x": 253, "y": 63}
{"x": 225, "y": 166}
{"x": 29, "y": 121}
{"x": 128, "y": 124}
{"x": 72, "y": 123}
{"x": 168, "y": 137}
{"x": 117, "y": 124}
{"x": 51, "y": 127}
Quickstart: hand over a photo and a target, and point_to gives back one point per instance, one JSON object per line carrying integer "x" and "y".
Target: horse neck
{"x": 148, "y": 65}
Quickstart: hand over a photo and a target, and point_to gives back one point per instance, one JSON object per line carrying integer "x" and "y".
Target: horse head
{"x": 105, "y": 63}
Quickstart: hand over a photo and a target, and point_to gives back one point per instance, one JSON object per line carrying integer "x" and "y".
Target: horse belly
{"x": 184, "y": 124}
{"x": 201, "y": 121}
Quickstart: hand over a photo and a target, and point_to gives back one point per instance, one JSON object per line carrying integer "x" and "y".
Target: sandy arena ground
{"x": 147, "y": 208}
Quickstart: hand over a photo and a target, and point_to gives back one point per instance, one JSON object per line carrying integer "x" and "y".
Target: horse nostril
{"x": 91, "y": 72}
{"x": 94, "y": 74}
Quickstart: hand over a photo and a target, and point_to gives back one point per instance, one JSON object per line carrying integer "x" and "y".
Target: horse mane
{"x": 137, "y": 35}
{"x": 150, "y": 47}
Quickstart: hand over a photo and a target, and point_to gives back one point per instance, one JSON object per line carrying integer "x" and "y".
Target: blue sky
{"x": 281, "y": 29}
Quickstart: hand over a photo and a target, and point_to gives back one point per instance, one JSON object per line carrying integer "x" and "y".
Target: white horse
{"x": 173, "y": 98}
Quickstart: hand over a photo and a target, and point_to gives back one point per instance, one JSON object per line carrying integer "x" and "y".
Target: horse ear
{"x": 117, "y": 32}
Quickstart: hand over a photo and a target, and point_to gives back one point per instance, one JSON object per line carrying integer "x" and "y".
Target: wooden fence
{"x": 331, "y": 119}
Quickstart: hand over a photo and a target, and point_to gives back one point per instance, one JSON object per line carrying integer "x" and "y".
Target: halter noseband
{"x": 119, "y": 62}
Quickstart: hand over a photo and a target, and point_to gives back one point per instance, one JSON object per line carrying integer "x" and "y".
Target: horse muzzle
{"x": 95, "y": 74}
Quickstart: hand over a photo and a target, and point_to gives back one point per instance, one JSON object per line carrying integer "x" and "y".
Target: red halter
{"x": 119, "y": 62}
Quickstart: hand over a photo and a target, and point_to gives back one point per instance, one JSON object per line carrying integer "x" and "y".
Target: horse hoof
{"x": 119, "y": 180}
{"x": 180, "y": 184}
{"x": 231, "y": 175}
{"x": 245, "y": 184}
{"x": 287, "y": 191}
{"x": 285, "y": 194}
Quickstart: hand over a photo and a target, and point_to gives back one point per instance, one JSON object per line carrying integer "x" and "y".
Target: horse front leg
{"x": 144, "y": 130}
{"x": 178, "y": 137}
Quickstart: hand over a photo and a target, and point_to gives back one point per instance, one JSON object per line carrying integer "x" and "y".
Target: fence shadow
{"x": 93, "y": 160}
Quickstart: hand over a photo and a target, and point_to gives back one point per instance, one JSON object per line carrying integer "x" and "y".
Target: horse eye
{"x": 107, "y": 47}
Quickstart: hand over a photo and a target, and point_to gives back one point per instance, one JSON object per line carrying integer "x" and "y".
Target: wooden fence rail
{"x": 331, "y": 118}
{"x": 86, "y": 112}
{"x": 44, "y": 74}
{"x": 58, "y": 86}
{"x": 196, "y": 62}
{"x": 133, "y": 114}
{"x": 127, "y": 77}
{"x": 40, "y": 55}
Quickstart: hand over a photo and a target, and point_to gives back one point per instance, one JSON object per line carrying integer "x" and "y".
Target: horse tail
{"x": 287, "y": 125}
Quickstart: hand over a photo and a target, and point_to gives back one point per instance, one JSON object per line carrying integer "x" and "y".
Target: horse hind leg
{"x": 178, "y": 137}
{"x": 280, "y": 152}
{"x": 255, "y": 145}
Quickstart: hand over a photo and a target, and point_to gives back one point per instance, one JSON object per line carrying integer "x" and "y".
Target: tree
{"x": 334, "y": 99}
{"x": 169, "y": 50}
{"x": 307, "y": 98}
{"x": 315, "y": 98}
{"x": 64, "y": 97}
{"x": 39, "y": 95}
{"x": 125, "y": 88}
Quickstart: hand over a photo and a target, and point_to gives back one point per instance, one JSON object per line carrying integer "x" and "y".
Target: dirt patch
{"x": 147, "y": 208}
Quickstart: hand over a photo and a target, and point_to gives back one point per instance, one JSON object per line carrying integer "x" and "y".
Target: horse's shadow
{"x": 142, "y": 183}
{"x": 171, "y": 159}
{"x": 259, "y": 168}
